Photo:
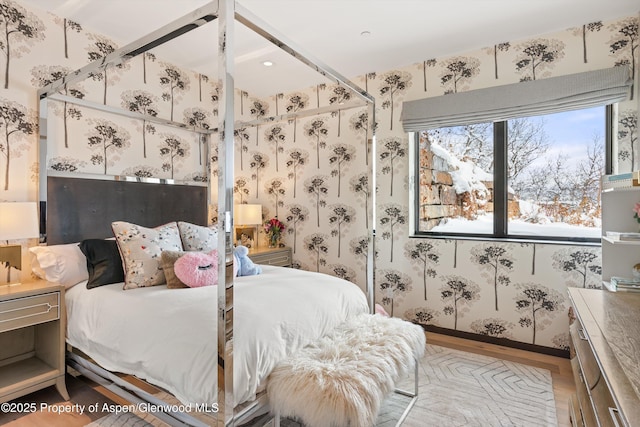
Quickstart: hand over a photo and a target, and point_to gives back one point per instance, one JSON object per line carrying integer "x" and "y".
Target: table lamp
{"x": 18, "y": 220}
{"x": 247, "y": 216}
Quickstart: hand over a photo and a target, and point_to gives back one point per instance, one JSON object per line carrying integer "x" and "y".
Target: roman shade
{"x": 528, "y": 98}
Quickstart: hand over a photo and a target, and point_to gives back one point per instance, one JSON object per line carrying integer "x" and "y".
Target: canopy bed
{"x": 76, "y": 210}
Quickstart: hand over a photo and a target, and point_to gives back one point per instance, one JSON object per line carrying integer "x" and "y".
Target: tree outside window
{"x": 548, "y": 187}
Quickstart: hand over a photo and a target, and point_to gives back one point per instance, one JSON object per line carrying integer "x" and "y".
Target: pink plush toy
{"x": 196, "y": 269}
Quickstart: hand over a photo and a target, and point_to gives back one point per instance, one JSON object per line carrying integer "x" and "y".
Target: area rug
{"x": 469, "y": 390}
{"x": 465, "y": 389}
{"x": 456, "y": 389}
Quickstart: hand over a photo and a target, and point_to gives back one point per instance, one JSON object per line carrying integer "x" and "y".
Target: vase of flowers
{"x": 273, "y": 228}
{"x": 636, "y": 212}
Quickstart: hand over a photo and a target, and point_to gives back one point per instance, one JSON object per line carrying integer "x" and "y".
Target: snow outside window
{"x": 551, "y": 176}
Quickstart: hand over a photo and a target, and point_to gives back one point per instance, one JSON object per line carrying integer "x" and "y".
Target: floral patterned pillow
{"x": 198, "y": 238}
{"x": 141, "y": 249}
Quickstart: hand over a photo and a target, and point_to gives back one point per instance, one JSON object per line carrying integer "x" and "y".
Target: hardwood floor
{"x": 86, "y": 392}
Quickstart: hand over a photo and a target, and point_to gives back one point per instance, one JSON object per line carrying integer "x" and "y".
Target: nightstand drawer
{"x": 27, "y": 311}
{"x": 277, "y": 257}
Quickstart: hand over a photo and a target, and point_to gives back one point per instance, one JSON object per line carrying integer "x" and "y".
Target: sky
{"x": 569, "y": 131}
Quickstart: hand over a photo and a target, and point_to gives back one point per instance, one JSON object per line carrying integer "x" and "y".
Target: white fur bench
{"x": 342, "y": 379}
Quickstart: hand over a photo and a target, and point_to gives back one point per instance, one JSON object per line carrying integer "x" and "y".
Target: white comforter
{"x": 168, "y": 336}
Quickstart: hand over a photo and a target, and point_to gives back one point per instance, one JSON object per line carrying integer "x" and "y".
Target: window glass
{"x": 554, "y": 167}
{"x": 551, "y": 175}
{"x": 456, "y": 166}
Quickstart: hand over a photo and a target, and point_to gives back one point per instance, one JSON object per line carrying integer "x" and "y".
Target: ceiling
{"x": 401, "y": 32}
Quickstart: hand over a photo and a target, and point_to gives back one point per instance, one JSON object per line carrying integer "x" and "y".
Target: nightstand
{"x": 32, "y": 334}
{"x": 272, "y": 256}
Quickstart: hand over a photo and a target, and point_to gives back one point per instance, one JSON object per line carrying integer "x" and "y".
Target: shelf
{"x": 621, "y": 182}
{"x": 608, "y": 286}
{"x": 621, "y": 189}
{"x": 24, "y": 373}
{"x": 621, "y": 242}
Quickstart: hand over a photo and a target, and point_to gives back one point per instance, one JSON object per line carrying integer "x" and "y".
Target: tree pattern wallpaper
{"x": 311, "y": 172}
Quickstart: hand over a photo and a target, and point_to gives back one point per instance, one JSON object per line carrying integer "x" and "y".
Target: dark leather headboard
{"x": 79, "y": 208}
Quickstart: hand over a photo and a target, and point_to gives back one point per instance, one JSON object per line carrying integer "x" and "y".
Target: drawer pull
{"x": 582, "y": 418}
{"x": 581, "y": 334}
{"x": 615, "y": 416}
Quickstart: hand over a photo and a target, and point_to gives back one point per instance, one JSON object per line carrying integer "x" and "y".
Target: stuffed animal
{"x": 246, "y": 267}
{"x": 381, "y": 311}
{"x": 196, "y": 269}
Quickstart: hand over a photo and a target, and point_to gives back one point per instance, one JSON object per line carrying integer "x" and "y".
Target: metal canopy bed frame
{"x": 226, "y": 12}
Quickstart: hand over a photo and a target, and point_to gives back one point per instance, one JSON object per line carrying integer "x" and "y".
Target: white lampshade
{"x": 247, "y": 214}
{"x": 19, "y": 220}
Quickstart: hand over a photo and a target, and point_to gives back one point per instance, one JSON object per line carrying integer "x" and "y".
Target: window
{"x": 535, "y": 177}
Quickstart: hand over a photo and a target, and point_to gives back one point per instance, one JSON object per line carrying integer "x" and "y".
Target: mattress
{"x": 168, "y": 336}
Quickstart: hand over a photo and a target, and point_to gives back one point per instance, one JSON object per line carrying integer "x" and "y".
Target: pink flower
{"x": 636, "y": 210}
{"x": 273, "y": 226}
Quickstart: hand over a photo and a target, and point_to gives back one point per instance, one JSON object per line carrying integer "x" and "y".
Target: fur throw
{"x": 342, "y": 379}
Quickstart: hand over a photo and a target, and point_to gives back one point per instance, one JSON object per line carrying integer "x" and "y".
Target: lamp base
{"x": 11, "y": 257}
{"x": 246, "y": 235}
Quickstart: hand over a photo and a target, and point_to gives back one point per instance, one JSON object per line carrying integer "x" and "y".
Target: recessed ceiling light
{"x": 365, "y": 33}
{"x": 267, "y": 63}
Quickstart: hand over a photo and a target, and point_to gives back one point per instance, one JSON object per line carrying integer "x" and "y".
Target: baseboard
{"x": 499, "y": 341}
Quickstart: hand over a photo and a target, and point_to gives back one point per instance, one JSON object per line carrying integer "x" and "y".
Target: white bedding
{"x": 168, "y": 336}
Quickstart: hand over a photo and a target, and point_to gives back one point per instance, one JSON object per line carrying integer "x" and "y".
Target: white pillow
{"x": 64, "y": 264}
{"x": 198, "y": 238}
